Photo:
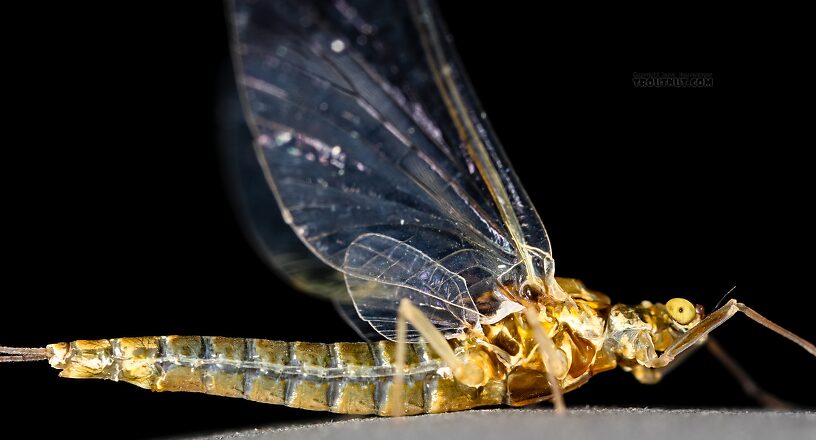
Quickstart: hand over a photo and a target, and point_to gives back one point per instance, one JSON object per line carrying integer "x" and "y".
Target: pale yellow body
{"x": 503, "y": 362}
{"x": 358, "y": 378}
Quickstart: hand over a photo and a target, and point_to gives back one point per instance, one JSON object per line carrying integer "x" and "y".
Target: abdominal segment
{"x": 349, "y": 378}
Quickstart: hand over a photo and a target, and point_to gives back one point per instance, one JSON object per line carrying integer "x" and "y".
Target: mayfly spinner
{"x": 399, "y": 205}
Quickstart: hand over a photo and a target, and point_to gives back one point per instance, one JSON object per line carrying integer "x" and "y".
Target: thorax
{"x": 576, "y": 329}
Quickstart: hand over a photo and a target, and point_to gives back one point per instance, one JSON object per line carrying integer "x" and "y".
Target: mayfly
{"x": 399, "y": 205}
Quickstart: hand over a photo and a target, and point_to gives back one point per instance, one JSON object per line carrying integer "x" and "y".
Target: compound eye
{"x": 681, "y": 310}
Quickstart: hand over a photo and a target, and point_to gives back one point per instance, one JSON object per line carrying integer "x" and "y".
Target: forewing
{"x": 365, "y": 124}
{"x": 260, "y": 216}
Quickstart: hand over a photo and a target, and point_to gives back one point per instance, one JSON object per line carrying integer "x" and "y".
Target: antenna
{"x": 13, "y": 354}
{"x": 724, "y": 297}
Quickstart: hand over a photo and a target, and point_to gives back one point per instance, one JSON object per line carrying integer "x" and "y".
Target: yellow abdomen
{"x": 350, "y": 378}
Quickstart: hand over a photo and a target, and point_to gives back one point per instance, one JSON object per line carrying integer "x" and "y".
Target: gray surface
{"x": 535, "y": 424}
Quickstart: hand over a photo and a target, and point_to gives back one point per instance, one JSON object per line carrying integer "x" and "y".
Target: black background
{"x": 117, "y": 223}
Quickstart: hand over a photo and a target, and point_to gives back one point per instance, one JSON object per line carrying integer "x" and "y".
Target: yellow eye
{"x": 681, "y": 310}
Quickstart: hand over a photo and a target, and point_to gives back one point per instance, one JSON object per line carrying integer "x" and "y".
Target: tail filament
{"x": 14, "y": 354}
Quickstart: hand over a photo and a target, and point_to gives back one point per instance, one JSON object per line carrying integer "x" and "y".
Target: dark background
{"x": 117, "y": 223}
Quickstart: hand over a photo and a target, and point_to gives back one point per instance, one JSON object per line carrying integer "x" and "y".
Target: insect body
{"x": 370, "y": 177}
{"x": 355, "y": 378}
{"x": 359, "y": 377}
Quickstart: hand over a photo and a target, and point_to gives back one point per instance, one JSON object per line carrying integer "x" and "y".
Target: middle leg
{"x": 550, "y": 357}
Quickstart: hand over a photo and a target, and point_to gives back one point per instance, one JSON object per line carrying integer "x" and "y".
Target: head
{"x": 671, "y": 320}
{"x": 639, "y": 332}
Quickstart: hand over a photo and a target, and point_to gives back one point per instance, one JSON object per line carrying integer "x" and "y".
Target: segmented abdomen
{"x": 350, "y": 378}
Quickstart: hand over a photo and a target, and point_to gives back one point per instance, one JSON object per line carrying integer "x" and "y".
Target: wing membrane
{"x": 272, "y": 238}
{"x": 367, "y": 133}
{"x": 381, "y": 271}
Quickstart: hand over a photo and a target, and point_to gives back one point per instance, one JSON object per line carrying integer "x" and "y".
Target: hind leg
{"x": 411, "y": 314}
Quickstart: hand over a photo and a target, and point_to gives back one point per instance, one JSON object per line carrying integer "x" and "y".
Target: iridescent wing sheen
{"x": 371, "y": 140}
{"x": 272, "y": 238}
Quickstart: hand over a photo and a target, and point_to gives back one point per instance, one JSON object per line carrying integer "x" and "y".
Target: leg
{"x": 652, "y": 376}
{"x": 469, "y": 375}
{"x": 695, "y": 337}
{"x": 714, "y": 320}
{"x": 550, "y": 358}
{"x": 399, "y": 377}
{"x": 748, "y": 385}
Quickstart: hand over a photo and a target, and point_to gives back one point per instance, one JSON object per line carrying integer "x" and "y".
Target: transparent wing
{"x": 258, "y": 210}
{"x": 272, "y": 238}
{"x": 381, "y": 271}
{"x": 365, "y": 126}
